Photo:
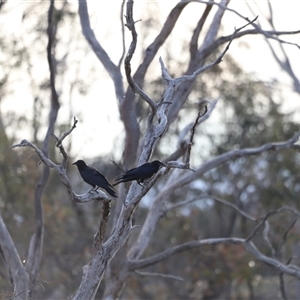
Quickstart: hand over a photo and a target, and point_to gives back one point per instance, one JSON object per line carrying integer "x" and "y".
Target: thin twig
{"x": 285, "y": 235}
{"x": 160, "y": 275}
{"x": 201, "y": 113}
{"x": 282, "y": 287}
{"x": 230, "y": 155}
{"x": 16, "y": 296}
{"x": 65, "y": 134}
{"x": 267, "y": 215}
{"x": 60, "y": 145}
{"x": 61, "y": 170}
{"x": 218, "y": 60}
{"x": 268, "y": 34}
{"x": 123, "y": 35}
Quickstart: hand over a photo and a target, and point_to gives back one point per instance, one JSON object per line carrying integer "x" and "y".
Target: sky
{"x": 99, "y": 130}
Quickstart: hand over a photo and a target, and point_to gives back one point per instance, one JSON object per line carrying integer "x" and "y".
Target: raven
{"x": 94, "y": 178}
{"x": 140, "y": 173}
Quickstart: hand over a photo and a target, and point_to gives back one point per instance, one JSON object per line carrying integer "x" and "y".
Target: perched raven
{"x": 140, "y": 173}
{"x": 94, "y": 178}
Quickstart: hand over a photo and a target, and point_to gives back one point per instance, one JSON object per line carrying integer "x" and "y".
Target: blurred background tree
{"x": 250, "y": 112}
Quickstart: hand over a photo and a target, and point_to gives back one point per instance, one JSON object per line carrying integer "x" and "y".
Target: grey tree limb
{"x": 123, "y": 34}
{"x": 197, "y": 31}
{"x": 217, "y": 199}
{"x": 130, "y": 24}
{"x": 62, "y": 172}
{"x": 127, "y": 110}
{"x": 157, "y": 209}
{"x": 17, "y": 273}
{"x": 284, "y": 63}
{"x": 101, "y": 54}
{"x": 248, "y": 246}
{"x": 34, "y": 257}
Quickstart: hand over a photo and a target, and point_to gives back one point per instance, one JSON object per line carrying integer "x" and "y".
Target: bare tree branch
{"x": 205, "y": 196}
{"x": 65, "y": 134}
{"x": 130, "y": 23}
{"x": 157, "y": 209}
{"x": 249, "y": 247}
{"x": 18, "y": 275}
{"x": 202, "y": 112}
{"x": 283, "y": 63}
{"x": 217, "y": 161}
{"x": 143, "y": 263}
{"x": 215, "y": 25}
{"x": 264, "y": 218}
{"x": 123, "y": 35}
{"x": 127, "y": 110}
{"x": 265, "y": 235}
{"x": 62, "y": 171}
{"x": 152, "y": 49}
{"x": 197, "y": 30}
{"x": 109, "y": 66}
{"x": 282, "y": 287}
{"x": 60, "y": 145}
{"x": 100, "y": 235}
{"x": 23, "y": 293}
{"x": 218, "y": 60}
{"x": 286, "y": 233}
{"x": 287, "y": 269}
{"x": 159, "y": 275}
{"x": 258, "y": 29}
{"x": 36, "y": 243}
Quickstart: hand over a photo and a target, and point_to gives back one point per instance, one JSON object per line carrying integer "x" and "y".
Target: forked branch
{"x": 61, "y": 169}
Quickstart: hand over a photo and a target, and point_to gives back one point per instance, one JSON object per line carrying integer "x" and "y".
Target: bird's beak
{"x": 74, "y": 163}
{"x": 163, "y": 164}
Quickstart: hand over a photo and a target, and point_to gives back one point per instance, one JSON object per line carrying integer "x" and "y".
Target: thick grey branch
{"x": 143, "y": 263}
{"x": 157, "y": 209}
{"x": 18, "y": 275}
{"x": 249, "y": 247}
{"x": 152, "y": 50}
{"x": 219, "y": 160}
{"x": 130, "y": 23}
{"x": 123, "y": 35}
{"x": 109, "y": 66}
{"x": 34, "y": 257}
{"x": 100, "y": 235}
{"x": 214, "y": 26}
{"x": 198, "y": 29}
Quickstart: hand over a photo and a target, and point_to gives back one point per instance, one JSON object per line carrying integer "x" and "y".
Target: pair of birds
{"x": 94, "y": 178}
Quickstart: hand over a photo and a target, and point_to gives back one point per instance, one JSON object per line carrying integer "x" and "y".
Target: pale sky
{"x": 98, "y": 112}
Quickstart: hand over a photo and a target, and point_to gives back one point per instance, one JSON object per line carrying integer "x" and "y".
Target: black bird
{"x": 94, "y": 178}
{"x": 141, "y": 173}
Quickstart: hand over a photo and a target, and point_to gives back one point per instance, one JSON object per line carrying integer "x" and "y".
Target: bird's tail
{"x": 118, "y": 179}
{"x": 111, "y": 191}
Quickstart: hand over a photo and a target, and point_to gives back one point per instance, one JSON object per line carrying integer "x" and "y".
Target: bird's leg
{"x": 139, "y": 183}
{"x": 92, "y": 189}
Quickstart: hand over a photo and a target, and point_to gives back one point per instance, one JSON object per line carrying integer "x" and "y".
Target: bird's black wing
{"x": 93, "y": 177}
{"x": 139, "y": 174}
